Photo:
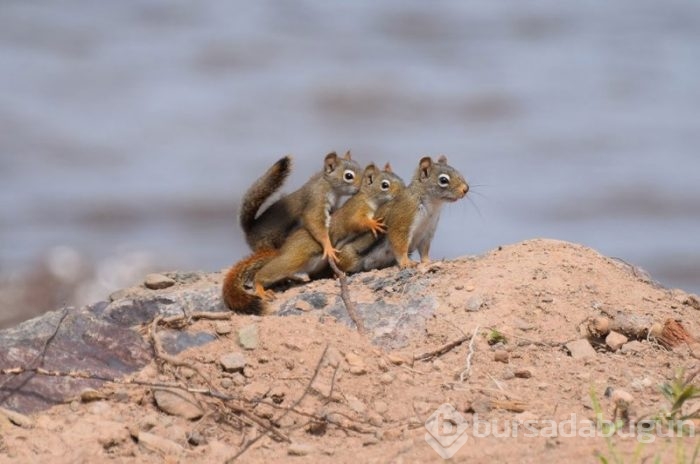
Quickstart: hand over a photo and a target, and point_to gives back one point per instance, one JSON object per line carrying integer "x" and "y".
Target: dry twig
{"x": 345, "y": 295}
{"x": 468, "y": 368}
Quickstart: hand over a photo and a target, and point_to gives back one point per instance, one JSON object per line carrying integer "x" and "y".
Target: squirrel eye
{"x": 348, "y": 175}
{"x": 444, "y": 180}
{"x": 385, "y": 185}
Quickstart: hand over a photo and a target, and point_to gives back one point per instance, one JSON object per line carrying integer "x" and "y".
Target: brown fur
{"x": 235, "y": 296}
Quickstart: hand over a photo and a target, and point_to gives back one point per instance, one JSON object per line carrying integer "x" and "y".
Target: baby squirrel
{"x": 301, "y": 252}
{"x": 309, "y": 207}
{"x": 410, "y": 219}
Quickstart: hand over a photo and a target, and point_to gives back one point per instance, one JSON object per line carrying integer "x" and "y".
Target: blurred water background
{"x": 130, "y": 130}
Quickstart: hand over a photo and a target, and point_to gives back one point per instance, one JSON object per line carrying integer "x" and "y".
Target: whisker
{"x": 478, "y": 211}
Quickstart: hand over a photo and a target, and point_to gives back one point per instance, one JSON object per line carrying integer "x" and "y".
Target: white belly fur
{"x": 424, "y": 225}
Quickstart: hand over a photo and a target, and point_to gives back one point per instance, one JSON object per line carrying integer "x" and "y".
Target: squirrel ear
{"x": 347, "y": 155}
{"x": 424, "y": 167}
{"x": 330, "y": 162}
{"x": 442, "y": 159}
{"x": 370, "y": 172}
{"x": 387, "y": 168}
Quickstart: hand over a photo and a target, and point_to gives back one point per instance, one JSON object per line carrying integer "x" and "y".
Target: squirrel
{"x": 410, "y": 219}
{"x": 302, "y": 253}
{"x": 308, "y": 207}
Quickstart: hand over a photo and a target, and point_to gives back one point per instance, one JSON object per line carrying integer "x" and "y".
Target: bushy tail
{"x": 261, "y": 190}
{"x": 235, "y": 296}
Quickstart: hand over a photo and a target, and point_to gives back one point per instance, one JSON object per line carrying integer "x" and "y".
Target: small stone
{"x": 158, "y": 281}
{"x": 470, "y": 288}
{"x": 222, "y": 328}
{"x": 635, "y": 346}
{"x": 356, "y": 404}
{"x": 333, "y": 357}
{"x": 474, "y": 303}
{"x": 289, "y": 364}
{"x": 523, "y": 373}
{"x": 599, "y": 326}
{"x": 380, "y": 407}
{"x": 459, "y": 287}
{"x": 580, "y": 349}
{"x": 615, "y": 340}
{"x": 386, "y": 378}
{"x": 358, "y": 370}
{"x": 501, "y": 356}
{"x": 299, "y": 449}
{"x": 353, "y": 359}
{"x": 196, "y": 439}
{"x": 507, "y": 374}
{"x": 248, "y": 336}
{"x": 17, "y": 418}
{"x": 187, "y": 372}
{"x": 90, "y": 394}
{"x": 178, "y": 403}
{"x": 226, "y": 383}
{"x": 396, "y": 359}
{"x": 233, "y": 362}
{"x": 303, "y": 305}
{"x": 375, "y": 419}
{"x": 159, "y": 444}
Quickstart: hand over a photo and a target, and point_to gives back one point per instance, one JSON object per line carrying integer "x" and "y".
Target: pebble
{"x": 380, "y": 407}
{"x": 357, "y": 365}
{"x": 159, "y": 444}
{"x": 615, "y": 340}
{"x": 248, "y": 336}
{"x": 523, "y": 373}
{"x": 395, "y": 358}
{"x": 158, "y": 281}
{"x": 17, "y": 418}
{"x": 233, "y": 362}
{"x": 90, "y": 394}
{"x": 474, "y": 303}
{"x": 303, "y": 305}
{"x": 196, "y": 439}
{"x": 635, "y": 346}
{"x": 222, "y": 328}
{"x": 226, "y": 383}
{"x": 580, "y": 349}
{"x": 386, "y": 378}
{"x": 178, "y": 403}
{"x": 501, "y": 356}
{"x": 299, "y": 449}
{"x": 356, "y": 404}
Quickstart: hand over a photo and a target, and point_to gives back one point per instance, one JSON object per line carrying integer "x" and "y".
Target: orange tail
{"x": 235, "y": 296}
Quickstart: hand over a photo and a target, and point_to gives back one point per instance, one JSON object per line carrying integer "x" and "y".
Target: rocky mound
{"x": 528, "y": 333}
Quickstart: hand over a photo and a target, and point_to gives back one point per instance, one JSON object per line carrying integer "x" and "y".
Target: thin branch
{"x": 468, "y": 368}
{"x": 428, "y": 355}
{"x": 345, "y": 295}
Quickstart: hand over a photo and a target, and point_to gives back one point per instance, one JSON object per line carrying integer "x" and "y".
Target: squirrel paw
{"x": 330, "y": 253}
{"x": 265, "y": 295}
{"x": 377, "y": 226}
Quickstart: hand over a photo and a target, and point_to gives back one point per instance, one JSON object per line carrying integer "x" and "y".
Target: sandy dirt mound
{"x": 306, "y": 383}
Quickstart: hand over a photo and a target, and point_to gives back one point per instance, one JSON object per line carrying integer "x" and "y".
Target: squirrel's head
{"x": 381, "y": 186}
{"x": 439, "y": 180}
{"x": 344, "y": 174}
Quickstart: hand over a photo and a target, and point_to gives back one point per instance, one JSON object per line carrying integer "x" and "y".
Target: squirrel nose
{"x": 465, "y": 189}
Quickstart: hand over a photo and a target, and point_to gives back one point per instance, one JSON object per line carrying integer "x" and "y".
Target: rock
{"x": 178, "y": 403}
{"x": 580, "y": 349}
{"x": 233, "y": 362}
{"x": 111, "y": 434}
{"x": 397, "y": 359}
{"x": 358, "y": 370}
{"x": 386, "y": 378}
{"x": 303, "y": 305}
{"x": 90, "y": 394}
{"x": 353, "y": 359}
{"x": 501, "y": 356}
{"x": 523, "y": 373}
{"x": 333, "y": 357}
{"x": 226, "y": 383}
{"x": 615, "y": 340}
{"x": 474, "y": 303}
{"x": 635, "y": 346}
{"x": 356, "y": 404}
{"x": 248, "y": 336}
{"x": 195, "y": 438}
{"x": 599, "y": 326}
{"x": 17, "y": 418}
{"x": 380, "y": 407}
{"x": 300, "y": 449}
{"x": 158, "y": 281}
{"x": 222, "y": 328}
{"x": 159, "y": 444}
